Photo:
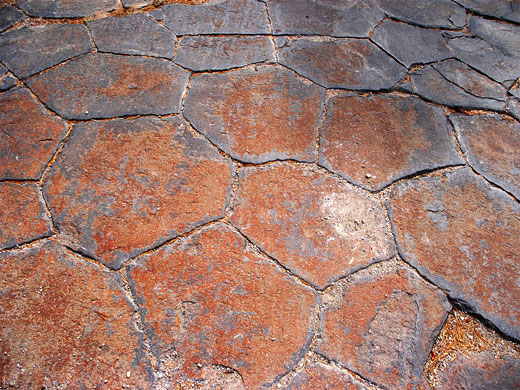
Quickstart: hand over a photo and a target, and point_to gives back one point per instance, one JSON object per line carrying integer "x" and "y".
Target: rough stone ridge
{"x": 317, "y": 226}
{"x": 320, "y": 376}
{"x": 260, "y": 317}
{"x": 463, "y": 235}
{"x": 111, "y": 86}
{"x": 383, "y": 325}
{"x": 257, "y": 115}
{"x": 377, "y": 139}
{"x": 9, "y": 16}
{"x": 66, "y": 8}
{"x": 121, "y": 187}
{"x": 29, "y": 135}
{"x": 66, "y": 324}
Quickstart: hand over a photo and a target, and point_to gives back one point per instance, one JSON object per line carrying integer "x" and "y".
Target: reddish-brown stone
{"x": 22, "y": 215}
{"x": 492, "y": 145}
{"x": 257, "y": 115}
{"x": 210, "y": 300}
{"x": 383, "y": 325}
{"x": 122, "y": 186}
{"x": 377, "y": 139}
{"x": 29, "y": 136}
{"x": 463, "y": 235}
{"x": 320, "y": 376}
{"x": 65, "y": 323}
{"x": 318, "y": 226}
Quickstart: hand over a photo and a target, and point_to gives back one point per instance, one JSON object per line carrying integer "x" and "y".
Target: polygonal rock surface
{"x": 411, "y": 44}
{"x": 9, "y": 16}
{"x": 320, "y": 376}
{"x": 29, "y": 135}
{"x": 383, "y": 325}
{"x": 349, "y": 18}
{"x": 65, "y": 323}
{"x": 66, "y": 8}
{"x": 256, "y": 115}
{"x": 375, "y": 140}
{"x": 7, "y": 80}
{"x": 133, "y": 34}
{"x": 22, "y": 215}
{"x": 29, "y": 50}
{"x": 315, "y": 225}
{"x": 209, "y": 300}
{"x": 492, "y": 145}
{"x": 463, "y": 235}
{"x": 223, "y": 52}
{"x": 480, "y": 371}
{"x": 455, "y": 84}
{"x": 123, "y": 186}
{"x": 217, "y": 17}
{"x": 112, "y": 85}
{"x": 503, "y": 9}
{"x": 427, "y": 13}
{"x": 342, "y": 63}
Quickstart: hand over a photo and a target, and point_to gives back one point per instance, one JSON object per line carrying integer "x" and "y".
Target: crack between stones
{"x": 27, "y": 244}
{"x": 60, "y": 147}
{"x": 91, "y": 36}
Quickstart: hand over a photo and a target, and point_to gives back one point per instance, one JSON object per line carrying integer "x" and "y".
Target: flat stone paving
{"x": 260, "y": 194}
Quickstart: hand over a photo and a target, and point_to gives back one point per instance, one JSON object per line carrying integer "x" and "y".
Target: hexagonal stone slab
{"x": 374, "y": 140}
{"x": 29, "y": 135}
{"x": 463, "y": 235}
{"x": 321, "y": 376}
{"x": 217, "y": 17}
{"x": 317, "y": 226}
{"x": 492, "y": 145}
{"x": 210, "y": 300}
{"x": 426, "y": 13}
{"x": 133, "y": 34}
{"x": 505, "y": 9}
{"x": 158, "y": 181}
{"x": 22, "y": 215}
{"x": 411, "y": 44}
{"x": 9, "y": 16}
{"x": 30, "y": 50}
{"x": 66, "y": 8}
{"x": 66, "y": 323}
{"x": 342, "y": 63}
{"x": 112, "y": 86}
{"x": 349, "y": 18}
{"x": 382, "y": 325}
{"x": 256, "y": 115}
{"x": 201, "y": 53}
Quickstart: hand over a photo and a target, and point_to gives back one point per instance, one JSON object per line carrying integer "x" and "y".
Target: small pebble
{"x": 368, "y": 175}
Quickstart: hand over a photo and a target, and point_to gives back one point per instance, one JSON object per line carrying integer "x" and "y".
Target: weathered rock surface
{"x": 384, "y": 325}
{"x": 7, "y": 80}
{"x": 133, "y": 34}
{"x": 65, "y": 323}
{"x": 66, "y": 8}
{"x": 492, "y": 146}
{"x": 158, "y": 181}
{"x": 112, "y": 85}
{"x": 463, "y": 235}
{"x": 22, "y": 215}
{"x": 260, "y": 318}
{"x": 9, "y": 16}
{"x": 513, "y": 108}
{"x": 349, "y": 18}
{"x": 201, "y": 53}
{"x": 30, "y": 50}
{"x": 29, "y": 135}
{"x": 342, "y": 63}
{"x": 375, "y": 140}
{"x": 257, "y": 115}
{"x": 317, "y": 226}
{"x": 505, "y": 9}
{"x": 136, "y": 3}
{"x": 321, "y": 376}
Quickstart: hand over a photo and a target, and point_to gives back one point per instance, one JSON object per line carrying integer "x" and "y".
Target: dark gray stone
{"x": 513, "y": 108}
{"x": 9, "y": 16}
{"x": 430, "y": 84}
{"x": 351, "y": 18}
{"x": 32, "y": 49}
{"x": 342, "y": 63}
{"x": 133, "y": 34}
{"x": 66, "y": 8}
{"x": 515, "y": 91}
{"x": 502, "y": 9}
{"x": 111, "y": 85}
{"x": 136, "y": 3}
{"x": 411, "y": 44}
{"x": 427, "y": 13}
{"x": 494, "y": 49}
{"x": 217, "y": 17}
{"x": 7, "y": 80}
{"x": 216, "y": 53}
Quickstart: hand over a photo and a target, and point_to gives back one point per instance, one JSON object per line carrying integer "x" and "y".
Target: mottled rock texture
{"x": 66, "y": 8}
{"x": 9, "y": 16}
{"x": 321, "y": 376}
{"x": 426, "y": 13}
